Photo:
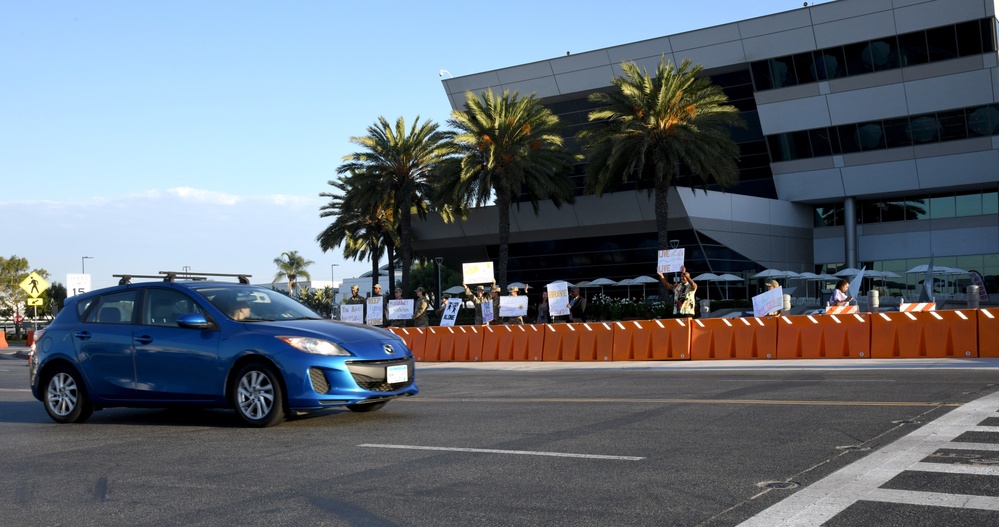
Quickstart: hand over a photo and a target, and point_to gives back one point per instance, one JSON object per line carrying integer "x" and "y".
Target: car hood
{"x": 334, "y": 331}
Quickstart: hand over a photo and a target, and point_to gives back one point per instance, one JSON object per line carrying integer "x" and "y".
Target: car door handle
{"x": 83, "y": 335}
{"x": 145, "y": 339}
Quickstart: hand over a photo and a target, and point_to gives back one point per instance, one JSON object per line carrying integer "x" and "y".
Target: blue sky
{"x": 153, "y": 135}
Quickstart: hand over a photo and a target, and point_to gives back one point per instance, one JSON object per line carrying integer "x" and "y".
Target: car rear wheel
{"x": 65, "y": 397}
{"x": 257, "y": 395}
{"x": 370, "y": 407}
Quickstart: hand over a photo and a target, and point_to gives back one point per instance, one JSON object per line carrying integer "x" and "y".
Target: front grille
{"x": 319, "y": 382}
{"x": 371, "y": 375}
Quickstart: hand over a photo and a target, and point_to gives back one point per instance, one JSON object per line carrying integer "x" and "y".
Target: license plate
{"x": 394, "y": 374}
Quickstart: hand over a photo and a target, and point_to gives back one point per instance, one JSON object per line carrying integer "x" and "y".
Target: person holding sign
{"x": 839, "y": 296}
{"x": 395, "y": 322}
{"x": 495, "y": 300}
{"x": 477, "y": 299}
{"x": 771, "y": 285}
{"x": 683, "y": 294}
{"x": 420, "y": 317}
{"x": 518, "y": 319}
{"x": 355, "y": 298}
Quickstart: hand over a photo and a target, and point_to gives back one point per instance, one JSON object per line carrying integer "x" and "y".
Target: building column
{"x": 850, "y": 231}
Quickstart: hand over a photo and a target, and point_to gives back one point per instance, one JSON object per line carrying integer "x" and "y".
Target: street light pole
{"x": 439, "y": 261}
{"x": 83, "y": 264}
{"x": 333, "y": 288}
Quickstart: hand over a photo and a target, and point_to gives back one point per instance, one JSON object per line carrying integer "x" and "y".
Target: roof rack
{"x": 172, "y": 276}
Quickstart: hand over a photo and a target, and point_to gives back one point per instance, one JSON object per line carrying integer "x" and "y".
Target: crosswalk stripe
{"x": 934, "y": 499}
{"x": 954, "y": 468}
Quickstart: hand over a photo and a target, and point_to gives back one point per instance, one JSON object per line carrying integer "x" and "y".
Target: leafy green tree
{"x": 361, "y": 227}
{"x": 652, "y": 128}
{"x": 292, "y": 265}
{"x": 392, "y": 170}
{"x": 507, "y": 147}
{"x": 13, "y": 271}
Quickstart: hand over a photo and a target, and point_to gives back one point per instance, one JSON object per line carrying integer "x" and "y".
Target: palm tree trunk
{"x": 662, "y": 220}
{"x": 503, "y": 207}
{"x": 390, "y": 251}
{"x": 406, "y": 245}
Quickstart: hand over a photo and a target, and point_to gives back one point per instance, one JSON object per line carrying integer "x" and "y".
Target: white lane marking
{"x": 934, "y": 499}
{"x": 15, "y": 390}
{"x": 991, "y": 447}
{"x": 953, "y": 468}
{"x": 496, "y": 451}
{"x": 818, "y": 503}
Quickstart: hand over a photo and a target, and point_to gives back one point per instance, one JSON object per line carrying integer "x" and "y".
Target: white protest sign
{"x": 374, "y": 311}
{"x": 352, "y": 313}
{"x": 856, "y": 282}
{"x": 670, "y": 261}
{"x": 487, "y": 312}
{"x": 558, "y": 299}
{"x": 450, "y": 311}
{"x": 477, "y": 273}
{"x": 513, "y": 306}
{"x": 77, "y": 284}
{"x": 768, "y": 302}
{"x": 401, "y": 309}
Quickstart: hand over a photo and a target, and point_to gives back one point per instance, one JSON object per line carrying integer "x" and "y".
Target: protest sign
{"x": 513, "y": 306}
{"x": 768, "y": 302}
{"x": 450, "y": 311}
{"x": 477, "y": 273}
{"x": 487, "y": 312}
{"x": 558, "y": 299}
{"x": 670, "y": 261}
{"x": 352, "y": 313}
{"x": 374, "y": 311}
{"x": 401, "y": 309}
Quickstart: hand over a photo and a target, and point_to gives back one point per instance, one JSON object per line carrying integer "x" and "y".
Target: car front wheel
{"x": 65, "y": 397}
{"x": 257, "y": 395}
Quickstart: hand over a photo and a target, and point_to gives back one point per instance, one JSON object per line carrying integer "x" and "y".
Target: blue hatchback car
{"x": 206, "y": 343}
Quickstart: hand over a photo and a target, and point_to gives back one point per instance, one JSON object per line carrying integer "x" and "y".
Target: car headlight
{"x": 316, "y": 346}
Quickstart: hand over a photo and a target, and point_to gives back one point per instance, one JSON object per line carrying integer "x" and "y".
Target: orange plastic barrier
{"x": 514, "y": 342}
{"x": 31, "y": 338}
{"x": 917, "y": 307}
{"x": 652, "y": 339}
{"x": 823, "y": 337}
{"x": 733, "y": 338}
{"x": 467, "y": 343}
{"x": 415, "y": 339}
{"x": 937, "y": 334}
{"x": 988, "y": 332}
{"x": 842, "y": 310}
{"x": 3, "y": 339}
{"x": 439, "y": 345}
{"x": 587, "y": 341}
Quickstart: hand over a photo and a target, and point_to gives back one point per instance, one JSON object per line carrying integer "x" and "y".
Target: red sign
{"x": 18, "y": 319}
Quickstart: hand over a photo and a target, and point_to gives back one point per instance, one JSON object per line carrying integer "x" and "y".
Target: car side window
{"x": 114, "y": 308}
{"x": 162, "y": 307}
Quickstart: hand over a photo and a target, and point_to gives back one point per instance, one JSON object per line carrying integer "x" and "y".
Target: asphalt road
{"x": 840, "y": 443}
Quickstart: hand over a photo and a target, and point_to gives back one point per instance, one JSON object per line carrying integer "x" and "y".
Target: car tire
{"x": 369, "y": 407}
{"x": 257, "y": 395}
{"x": 65, "y": 397}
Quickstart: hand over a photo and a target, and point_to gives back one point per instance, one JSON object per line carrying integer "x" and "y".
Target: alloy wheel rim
{"x": 255, "y": 394}
{"x": 62, "y": 394}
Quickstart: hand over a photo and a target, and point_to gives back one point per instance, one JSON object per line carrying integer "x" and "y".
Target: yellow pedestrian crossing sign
{"x": 34, "y": 284}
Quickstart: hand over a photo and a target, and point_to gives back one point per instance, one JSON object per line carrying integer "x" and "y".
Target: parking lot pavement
{"x": 14, "y": 352}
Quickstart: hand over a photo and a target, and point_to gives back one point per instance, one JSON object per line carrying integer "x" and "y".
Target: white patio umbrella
{"x": 518, "y": 285}
{"x": 849, "y": 271}
{"x": 706, "y": 277}
{"x": 582, "y": 284}
{"x": 627, "y": 282}
{"x": 644, "y": 280}
{"x": 601, "y": 282}
{"x": 770, "y": 273}
{"x": 727, "y": 277}
{"x": 455, "y": 290}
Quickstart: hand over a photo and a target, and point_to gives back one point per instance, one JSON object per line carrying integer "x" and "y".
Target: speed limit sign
{"x": 18, "y": 319}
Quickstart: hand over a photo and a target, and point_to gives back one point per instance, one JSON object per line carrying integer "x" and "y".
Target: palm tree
{"x": 364, "y": 230}
{"x": 651, "y": 129}
{"x": 292, "y": 265}
{"x": 508, "y": 146}
{"x": 393, "y": 171}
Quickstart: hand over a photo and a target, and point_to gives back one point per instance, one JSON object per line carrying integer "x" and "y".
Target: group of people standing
{"x": 421, "y": 306}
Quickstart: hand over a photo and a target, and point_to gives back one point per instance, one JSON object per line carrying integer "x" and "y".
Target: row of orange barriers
{"x": 930, "y": 334}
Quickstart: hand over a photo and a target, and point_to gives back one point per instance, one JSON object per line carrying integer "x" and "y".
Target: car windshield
{"x": 255, "y": 304}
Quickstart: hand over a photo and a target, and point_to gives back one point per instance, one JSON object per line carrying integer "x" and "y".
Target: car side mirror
{"x": 193, "y": 321}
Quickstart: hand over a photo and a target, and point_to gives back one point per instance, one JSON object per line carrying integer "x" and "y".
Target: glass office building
{"x": 872, "y": 140}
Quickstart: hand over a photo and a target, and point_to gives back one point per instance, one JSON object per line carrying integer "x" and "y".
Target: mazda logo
{"x": 389, "y": 350}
